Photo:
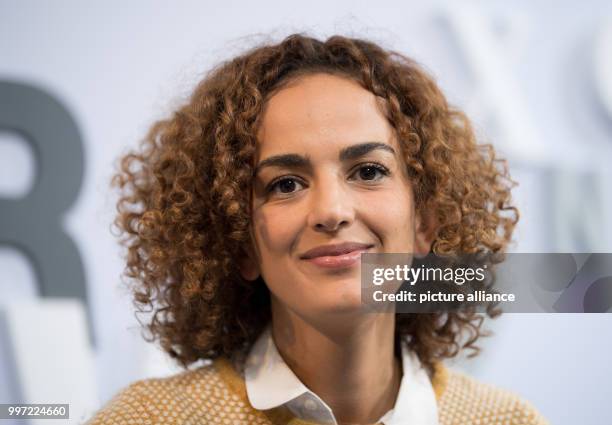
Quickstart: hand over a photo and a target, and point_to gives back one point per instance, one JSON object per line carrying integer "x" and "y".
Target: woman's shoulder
{"x": 197, "y": 394}
{"x": 464, "y": 399}
{"x": 216, "y": 389}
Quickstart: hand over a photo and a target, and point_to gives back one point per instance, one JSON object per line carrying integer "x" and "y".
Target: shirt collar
{"x": 271, "y": 383}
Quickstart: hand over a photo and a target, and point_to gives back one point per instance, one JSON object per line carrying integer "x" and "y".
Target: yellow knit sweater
{"x": 216, "y": 394}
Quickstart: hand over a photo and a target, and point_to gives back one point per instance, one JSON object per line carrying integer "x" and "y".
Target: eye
{"x": 371, "y": 172}
{"x": 285, "y": 185}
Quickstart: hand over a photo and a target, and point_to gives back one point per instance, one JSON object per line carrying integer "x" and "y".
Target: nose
{"x": 331, "y": 206}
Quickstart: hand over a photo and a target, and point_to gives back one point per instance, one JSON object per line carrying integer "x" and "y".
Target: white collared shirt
{"x": 271, "y": 383}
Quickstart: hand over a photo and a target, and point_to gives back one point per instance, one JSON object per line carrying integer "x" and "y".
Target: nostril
{"x": 331, "y": 226}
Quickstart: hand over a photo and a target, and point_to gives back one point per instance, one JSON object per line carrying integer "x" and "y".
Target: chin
{"x": 342, "y": 299}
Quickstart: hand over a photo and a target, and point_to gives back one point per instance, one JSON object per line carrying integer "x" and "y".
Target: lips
{"x": 335, "y": 250}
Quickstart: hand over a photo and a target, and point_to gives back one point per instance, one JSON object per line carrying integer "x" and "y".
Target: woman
{"x": 245, "y": 216}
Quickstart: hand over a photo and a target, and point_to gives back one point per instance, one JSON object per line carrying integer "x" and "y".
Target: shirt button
{"x": 310, "y": 404}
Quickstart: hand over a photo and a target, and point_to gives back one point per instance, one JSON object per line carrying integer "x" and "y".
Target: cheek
{"x": 275, "y": 231}
{"x": 391, "y": 216}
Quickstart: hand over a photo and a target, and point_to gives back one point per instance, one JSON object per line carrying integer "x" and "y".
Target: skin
{"x": 339, "y": 352}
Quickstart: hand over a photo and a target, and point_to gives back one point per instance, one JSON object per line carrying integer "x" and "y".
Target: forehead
{"x": 321, "y": 112}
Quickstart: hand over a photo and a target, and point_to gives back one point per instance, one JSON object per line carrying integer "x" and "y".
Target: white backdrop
{"x": 535, "y": 78}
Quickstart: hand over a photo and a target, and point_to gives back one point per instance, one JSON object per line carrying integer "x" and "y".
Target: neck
{"x": 348, "y": 361}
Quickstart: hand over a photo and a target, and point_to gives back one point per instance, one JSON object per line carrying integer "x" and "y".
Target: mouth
{"x": 336, "y": 256}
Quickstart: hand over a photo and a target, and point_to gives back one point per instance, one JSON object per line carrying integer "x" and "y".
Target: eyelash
{"x": 381, "y": 168}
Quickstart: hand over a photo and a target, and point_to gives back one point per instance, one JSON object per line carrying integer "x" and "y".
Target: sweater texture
{"x": 216, "y": 394}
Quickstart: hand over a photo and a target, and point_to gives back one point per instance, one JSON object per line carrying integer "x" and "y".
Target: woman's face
{"x": 329, "y": 172}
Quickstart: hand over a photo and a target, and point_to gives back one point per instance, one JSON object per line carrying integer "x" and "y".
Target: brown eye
{"x": 372, "y": 172}
{"x": 285, "y": 186}
{"x": 368, "y": 173}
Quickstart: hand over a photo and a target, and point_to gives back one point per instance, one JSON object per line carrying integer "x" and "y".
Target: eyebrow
{"x": 348, "y": 153}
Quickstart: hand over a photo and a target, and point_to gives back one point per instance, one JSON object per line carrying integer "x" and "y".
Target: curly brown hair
{"x": 185, "y": 194}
